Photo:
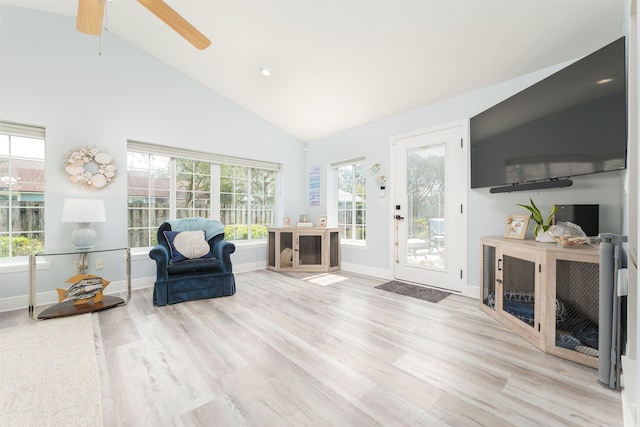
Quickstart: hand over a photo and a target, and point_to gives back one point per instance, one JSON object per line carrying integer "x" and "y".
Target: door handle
{"x": 399, "y": 218}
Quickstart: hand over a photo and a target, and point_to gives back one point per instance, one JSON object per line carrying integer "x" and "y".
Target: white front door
{"x": 430, "y": 223}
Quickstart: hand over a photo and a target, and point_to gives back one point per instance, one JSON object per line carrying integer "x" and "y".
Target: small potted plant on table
{"x": 541, "y": 225}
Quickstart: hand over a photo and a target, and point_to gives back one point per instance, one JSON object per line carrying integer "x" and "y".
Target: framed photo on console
{"x": 322, "y": 221}
{"x": 516, "y": 226}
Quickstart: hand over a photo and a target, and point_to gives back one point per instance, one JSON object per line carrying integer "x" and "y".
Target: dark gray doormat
{"x": 415, "y": 291}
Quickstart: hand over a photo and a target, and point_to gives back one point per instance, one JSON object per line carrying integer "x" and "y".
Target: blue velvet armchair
{"x": 183, "y": 278}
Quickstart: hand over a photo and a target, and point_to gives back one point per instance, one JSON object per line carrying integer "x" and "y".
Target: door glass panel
{"x": 518, "y": 298}
{"x": 426, "y": 243}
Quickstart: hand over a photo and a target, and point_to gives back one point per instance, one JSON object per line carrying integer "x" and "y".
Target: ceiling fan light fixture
{"x": 265, "y": 71}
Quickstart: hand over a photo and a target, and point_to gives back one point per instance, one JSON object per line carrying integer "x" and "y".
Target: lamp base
{"x": 83, "y": 237}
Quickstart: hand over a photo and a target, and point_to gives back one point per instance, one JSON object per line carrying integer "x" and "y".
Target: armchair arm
{"x": 161, "y": 254}
{"x": 222, "y": 250}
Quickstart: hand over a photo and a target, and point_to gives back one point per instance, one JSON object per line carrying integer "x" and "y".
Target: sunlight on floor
{"x": 325, "y": 279}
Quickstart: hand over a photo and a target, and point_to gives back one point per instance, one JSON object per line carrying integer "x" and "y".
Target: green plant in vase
{"x": 537, "y": 217}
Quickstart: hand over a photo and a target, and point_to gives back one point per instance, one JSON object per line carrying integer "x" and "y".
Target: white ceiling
{"x": 340, "y": 64}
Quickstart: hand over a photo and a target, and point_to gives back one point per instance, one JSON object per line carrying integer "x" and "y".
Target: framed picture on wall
{"x": 516, "y": 226}
{"x": 322, "y": 221}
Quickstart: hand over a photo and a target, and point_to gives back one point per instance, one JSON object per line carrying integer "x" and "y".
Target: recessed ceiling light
{"x": 603, "y": 81}
{"x": 265, "y": 71}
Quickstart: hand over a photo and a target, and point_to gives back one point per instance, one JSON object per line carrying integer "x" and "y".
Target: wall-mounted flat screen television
{"x": 571, "y": 123}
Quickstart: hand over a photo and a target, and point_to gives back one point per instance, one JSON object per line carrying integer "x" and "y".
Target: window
{"x": 149, "y": 187}
{"x": 247, "y": 200}
{"x": 165, "y": 184}
{"x": 21, "y": 190}
{"x": 351, "y": 196}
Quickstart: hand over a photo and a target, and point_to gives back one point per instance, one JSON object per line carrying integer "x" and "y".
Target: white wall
{"x": 52, "y": 76}
{"x": 486, "y": 212}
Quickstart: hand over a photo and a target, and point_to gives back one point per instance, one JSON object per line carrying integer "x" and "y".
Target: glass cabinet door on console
{"x": 511, "y": 288}
{"x": 574, "y": 306}
{"x": 520, "y": 299}
{"x": 281, "y": 250}
{"x": 488, "y": 279}
{"x": 309, "y": 250}
{"x": 334, "y": 249}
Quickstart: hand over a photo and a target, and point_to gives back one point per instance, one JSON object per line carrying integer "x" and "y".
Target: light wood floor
{"x": 285, "y": 351}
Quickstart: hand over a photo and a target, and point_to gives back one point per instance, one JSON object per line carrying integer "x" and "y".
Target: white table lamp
{"x": 83, "y": 211}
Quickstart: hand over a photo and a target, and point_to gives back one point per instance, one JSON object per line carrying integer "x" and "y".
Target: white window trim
{"x": 162, "y": 150}
{"x": 18, "y": 129}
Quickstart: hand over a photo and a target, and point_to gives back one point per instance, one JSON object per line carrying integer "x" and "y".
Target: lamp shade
{"x": 83, "y": 210}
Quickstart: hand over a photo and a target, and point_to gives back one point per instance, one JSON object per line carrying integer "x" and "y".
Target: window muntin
{"x": 21, "y": 190}
{"x": 351, "y": 198}
{"x": 161, "y": 187}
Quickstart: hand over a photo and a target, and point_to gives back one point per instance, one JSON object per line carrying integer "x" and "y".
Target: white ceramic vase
{"x": 545, "y": 237}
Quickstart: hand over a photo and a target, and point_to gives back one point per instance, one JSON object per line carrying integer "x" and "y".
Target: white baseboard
{"x": 14, "y": 303}
{"x": 247, "y": 267}
{"x": 472, "y": 291}
{"x": 367, "y": 271}
{"x": 629, "y": 392}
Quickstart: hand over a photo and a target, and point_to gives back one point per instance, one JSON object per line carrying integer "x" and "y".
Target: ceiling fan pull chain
{"x": 105, "y": 26}
{"x": 106, "y": 15}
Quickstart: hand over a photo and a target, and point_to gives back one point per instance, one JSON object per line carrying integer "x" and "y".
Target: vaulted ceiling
{"x": 338, "y": 64}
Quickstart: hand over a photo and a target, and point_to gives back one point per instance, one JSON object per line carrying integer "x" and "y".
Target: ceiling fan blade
{"x": 90, "y": 13}
{"x": 177, "y": 22}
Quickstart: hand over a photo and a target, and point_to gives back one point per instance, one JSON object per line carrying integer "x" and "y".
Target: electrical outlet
{"x": 99, "y": 264}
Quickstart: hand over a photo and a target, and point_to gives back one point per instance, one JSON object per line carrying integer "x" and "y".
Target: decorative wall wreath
{"x": 90, "y": 167}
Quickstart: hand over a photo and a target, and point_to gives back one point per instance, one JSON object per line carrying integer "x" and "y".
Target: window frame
{"x": 355, "y": 237}
{"x": 17, "y": 130}
{"x": 216, "y": 162}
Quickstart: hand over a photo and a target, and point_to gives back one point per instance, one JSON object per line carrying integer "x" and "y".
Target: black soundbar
{"x": 553, "y": 183}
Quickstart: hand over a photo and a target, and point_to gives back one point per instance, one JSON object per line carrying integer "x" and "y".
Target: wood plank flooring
{"x": 285, "y": 351}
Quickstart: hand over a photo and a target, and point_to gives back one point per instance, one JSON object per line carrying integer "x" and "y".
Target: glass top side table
{"x": 84, "y": 289}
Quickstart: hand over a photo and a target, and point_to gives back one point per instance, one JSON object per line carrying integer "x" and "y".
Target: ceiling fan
{"x": 90, "y": 13}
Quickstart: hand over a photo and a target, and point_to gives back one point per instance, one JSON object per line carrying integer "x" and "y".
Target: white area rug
{"x": 49, "y": 374}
